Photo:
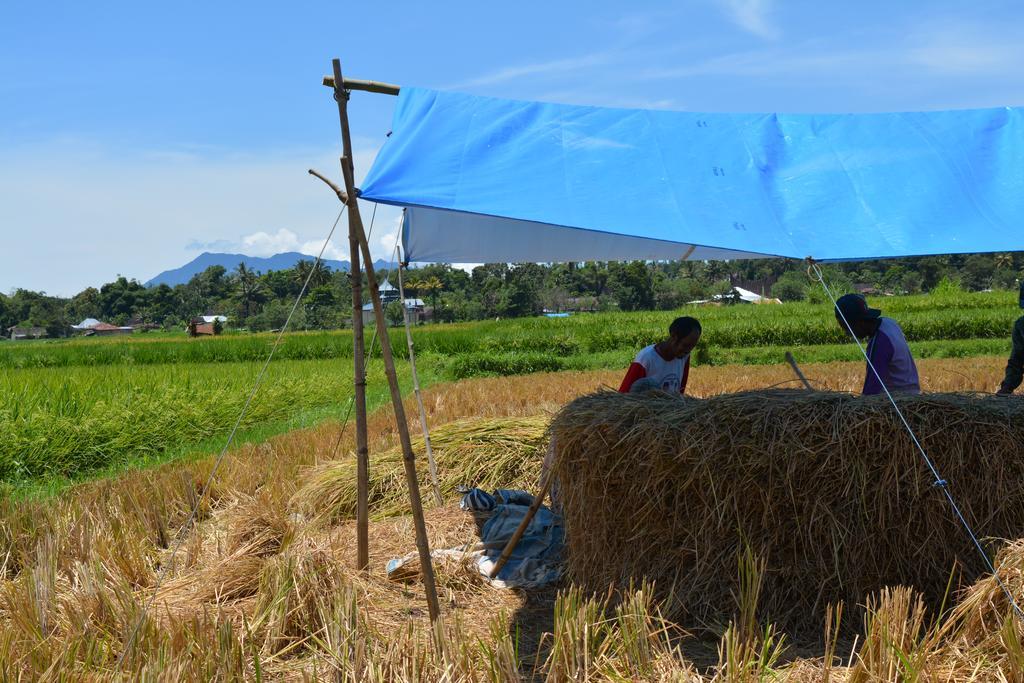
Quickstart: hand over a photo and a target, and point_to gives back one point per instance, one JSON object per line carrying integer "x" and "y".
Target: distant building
{"x": 21, "y": 333}
{"x": 763, "y": 286}
{"x": 417, "y": 310}
{"x": 108, "y": 330}
{"x": 737, "y": 295}
{"x": 414, "y": 308}
{"x": 86, "y": 324}
{"x": 388, "y": 292}
{"x": 206, "y": 325}
{"x": 92, "y": 326}
{"x": 141, "y": 325}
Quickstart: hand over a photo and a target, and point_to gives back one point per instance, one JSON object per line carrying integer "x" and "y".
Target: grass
{"x": 534, "y": 341}
{"x": 58, "y": 425}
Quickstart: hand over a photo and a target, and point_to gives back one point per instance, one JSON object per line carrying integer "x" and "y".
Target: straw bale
{"x": 826, "y": 488}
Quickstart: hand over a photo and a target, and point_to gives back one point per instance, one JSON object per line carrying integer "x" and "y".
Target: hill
{"x": 183, "y": 274}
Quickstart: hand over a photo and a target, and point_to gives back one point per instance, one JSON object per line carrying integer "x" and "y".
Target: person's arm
{"x": 635, "y": 372}
{"x": 686, "y": 376}
{"x": 1015, "y": 366}
{"x": 880, "y": 351}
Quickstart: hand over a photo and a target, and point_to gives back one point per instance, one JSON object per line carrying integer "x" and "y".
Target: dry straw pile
{"x": 826, "y": 488}
{"x": 487, "y": 453}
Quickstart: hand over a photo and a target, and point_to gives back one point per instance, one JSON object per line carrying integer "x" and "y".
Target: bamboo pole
{"x": 342, "y": 197}
{"x": 799, "y": 373}
{"x": 358, "y": 343}
{"x": 359, "y": 384}
{"x": 431, "y": 463}
{"x": 408, "y": 457}
{"x": 360, "y": 84}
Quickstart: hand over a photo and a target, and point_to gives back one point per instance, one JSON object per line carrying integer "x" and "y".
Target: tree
{"x": 488, "y": 288}
{"x": 838, "y": 282}
{"x": 7, "y": 318}
{"x": 631, "y": 285}
{"x": 977, "y": 272}
{"x": 48, "y": 312}
{"x": 161, "y": 302}
{"x": 592, "y": 278}
{"x": 248, "y": 289}
{"x": 322, "y": 309}
{"x": 274, "y": 315}
{"x": 394, "y": 312}
{"x": 911, "y": 282}
{"x": 791, "y": 286}
{"x": 190, "y": 300}
{"x": 85, "y": 304}
{"x": 1004, "y": 278}
{"x": 118, "y": 300}
{"x": 431, "y": 286}
{"x": 213, "y": 283}
{"x": 281, "y": 284}
{"x": 1004, "y": 260}
{"x": 317, "y": 273}
{"x": 555, "y": 298}
{"x": 716, "y": 270}
{"x": 520, "y": 295}
{"x": 933, "y": 269}
{"x": 672, "y": 293}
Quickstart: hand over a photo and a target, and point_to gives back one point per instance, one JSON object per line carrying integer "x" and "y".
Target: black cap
{"x": 854, "y": 307}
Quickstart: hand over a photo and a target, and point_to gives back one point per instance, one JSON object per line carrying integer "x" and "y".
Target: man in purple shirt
{"x": 887, "y": 348}
{"x": 1015, "y": 366}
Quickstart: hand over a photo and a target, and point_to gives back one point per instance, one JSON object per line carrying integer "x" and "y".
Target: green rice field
{"x": 69, "y": 408}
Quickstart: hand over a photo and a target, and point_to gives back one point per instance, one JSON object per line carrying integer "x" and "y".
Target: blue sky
{"x": 135, "y": 135}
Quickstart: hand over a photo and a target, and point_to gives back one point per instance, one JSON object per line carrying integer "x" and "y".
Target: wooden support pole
{"x": 360, "y": 84}
{"x": 431, "y": 463}
{"x": 549, "y": 476}
{"x": 358, "y": 344}
{"x": 799, "y": 373}
{"x": 359, "y": 385}
{"x": 342, "y": 197}
{"x": 408, "y": 457}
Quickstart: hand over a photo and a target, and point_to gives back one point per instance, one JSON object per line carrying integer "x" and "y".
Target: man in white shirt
{"x": 665, "y": 365}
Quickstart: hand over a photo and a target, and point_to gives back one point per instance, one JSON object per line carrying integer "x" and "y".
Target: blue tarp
{"x": 493, "y": 180}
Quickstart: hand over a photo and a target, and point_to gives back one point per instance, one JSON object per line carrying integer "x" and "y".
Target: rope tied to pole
{"x": 431, "y": 462}
{"x": 938, "y": 481}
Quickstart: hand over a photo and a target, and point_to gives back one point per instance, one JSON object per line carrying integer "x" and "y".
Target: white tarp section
{"x": 442, "y": 236}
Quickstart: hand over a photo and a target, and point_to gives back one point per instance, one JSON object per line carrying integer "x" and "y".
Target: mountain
{"x": 179, "y": 276}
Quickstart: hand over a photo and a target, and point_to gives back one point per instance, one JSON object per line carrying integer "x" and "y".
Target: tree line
{"x": 262, "y": 301}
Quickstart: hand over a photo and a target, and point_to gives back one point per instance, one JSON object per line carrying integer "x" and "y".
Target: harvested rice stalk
{"x": 492, "y": 453}
{"x": 826, "y": 487}
{"x": 983, "y": 611}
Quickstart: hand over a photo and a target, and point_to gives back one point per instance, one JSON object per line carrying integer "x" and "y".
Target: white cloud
{"x": 267, "y": 244}
{"x": 387, "y": 234}
{"x": 752, "y": 17}
{"x": 263, "y": 243}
